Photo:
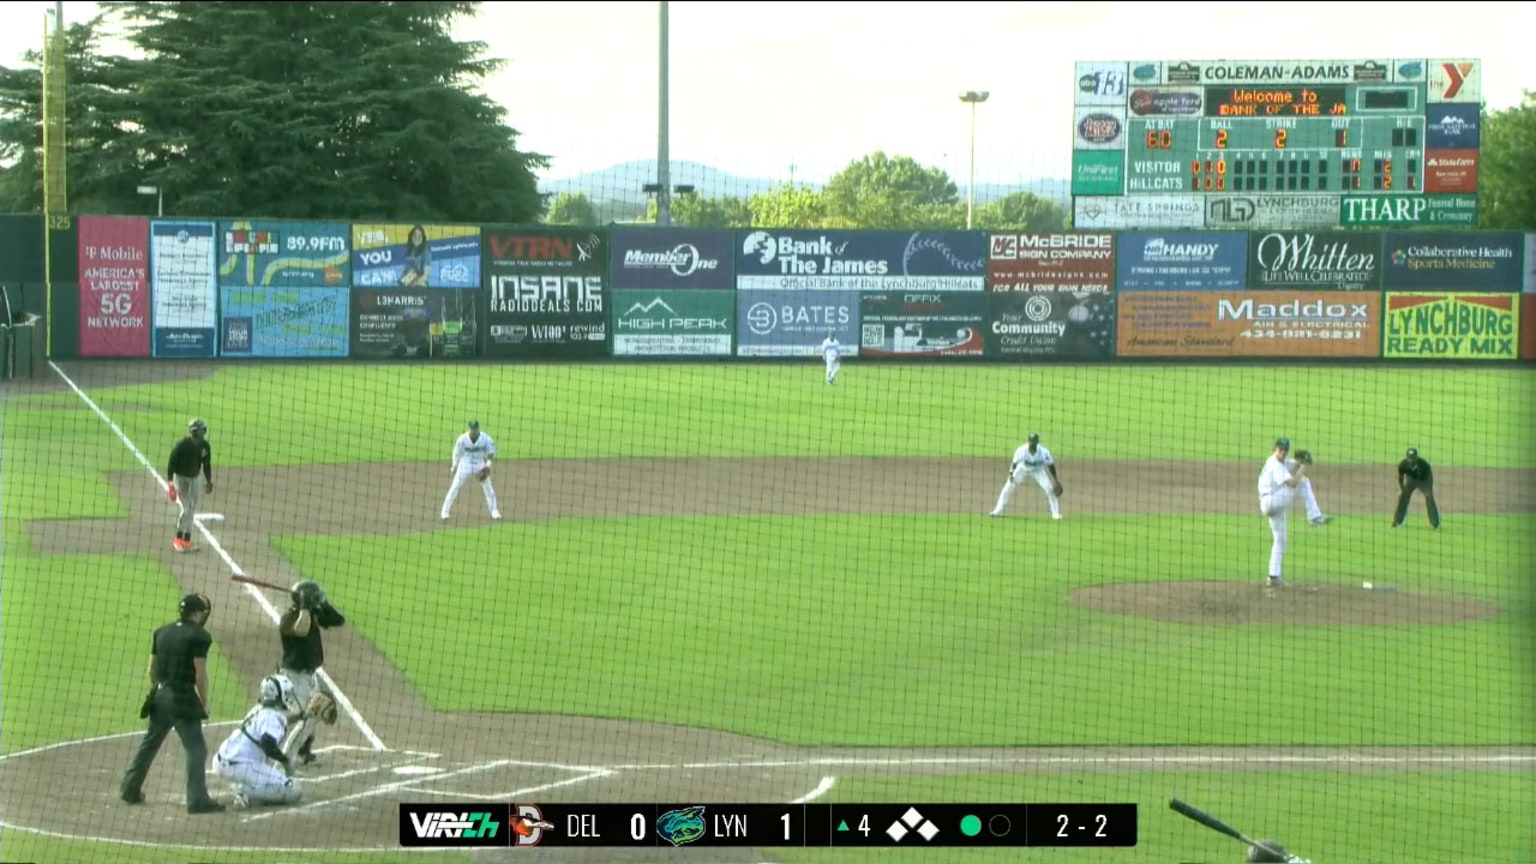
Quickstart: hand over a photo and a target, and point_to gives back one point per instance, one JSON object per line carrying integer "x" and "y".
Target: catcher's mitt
{"x": 322, "y": 707}
{"x": 483, "y": 473}
{"x": 1304, "y": 457}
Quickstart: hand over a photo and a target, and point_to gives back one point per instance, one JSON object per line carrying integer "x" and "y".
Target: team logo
{"x": 1411, "y": 70}
{"x": 680, "y": 827}
{"x": 1099, "y": 128}
{"x": 528, "y": 825}
{"x": 1145, "y": 72}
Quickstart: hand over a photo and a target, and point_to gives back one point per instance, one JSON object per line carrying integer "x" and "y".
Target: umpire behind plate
{"x": 303, "y": 655}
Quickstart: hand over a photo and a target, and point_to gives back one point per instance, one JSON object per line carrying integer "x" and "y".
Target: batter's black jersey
{"x": 1410, "y": 469}
{"x": 191, "y": 457}
{"x": 174, "y": 647}
{"x": 300, "y": 653}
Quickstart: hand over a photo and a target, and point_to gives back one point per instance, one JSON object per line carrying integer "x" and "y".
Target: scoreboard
{"x": 1275, "y": 144}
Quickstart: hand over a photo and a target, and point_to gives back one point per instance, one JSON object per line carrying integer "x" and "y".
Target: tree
{"x": 1020, "y": 211}
{"x": 571, "y": 208}
{"x": 691, "y": 209}
{"x": 1506, "y": 179}
{"x": 879, "y": 191}
{"x": 313, "y": 110}
{"x": 103, "y": 174}
{"x": 789, "y": 207}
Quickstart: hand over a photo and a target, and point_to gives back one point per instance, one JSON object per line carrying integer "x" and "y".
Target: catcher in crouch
{"x": 303, "y": 654}
{"x": 252, "y": 758}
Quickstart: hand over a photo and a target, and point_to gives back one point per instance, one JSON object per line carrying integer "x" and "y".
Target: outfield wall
{"x": 130, "y": 286}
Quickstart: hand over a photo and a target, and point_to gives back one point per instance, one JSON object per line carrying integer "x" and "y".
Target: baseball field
{"x": 736, "y": 583}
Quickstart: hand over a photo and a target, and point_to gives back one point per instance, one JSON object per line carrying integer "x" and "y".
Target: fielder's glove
{"x": 1304, "y": 457}
{"x": 322, "y": 706}
{"x": 483, "y": 473}
{"x": 1057, "y": 490}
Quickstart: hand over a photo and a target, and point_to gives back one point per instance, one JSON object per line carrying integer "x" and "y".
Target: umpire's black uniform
{"x": 1413, "y": 474}
{"x": 177, "y": 700}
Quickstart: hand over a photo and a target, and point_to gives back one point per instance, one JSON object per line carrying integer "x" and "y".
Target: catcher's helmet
{"x": 196, "y": 424}
{"x": 194, "y": 603}
{"x": 277, "y": 692}
{"x": 1273, "y": 854}
{"x": 306, "y": 593}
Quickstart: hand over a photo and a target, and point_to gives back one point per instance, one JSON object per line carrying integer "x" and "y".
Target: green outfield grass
{"x": 1329, "y": 817}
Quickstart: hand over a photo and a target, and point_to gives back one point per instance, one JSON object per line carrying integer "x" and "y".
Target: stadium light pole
{"x": 973, "y": 98}
{"x": 159, "y": 197}
{"x": 663, "y": 157}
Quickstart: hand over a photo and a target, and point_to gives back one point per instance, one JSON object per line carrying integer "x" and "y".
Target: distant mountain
{"x": 624, "y": 182}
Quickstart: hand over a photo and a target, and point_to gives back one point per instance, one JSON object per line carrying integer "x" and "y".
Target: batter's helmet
{"x": 307, "y": 594}
{"x": 1274, "y": 854}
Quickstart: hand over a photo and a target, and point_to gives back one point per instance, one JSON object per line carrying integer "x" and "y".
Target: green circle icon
{"x": 970, "y": 826}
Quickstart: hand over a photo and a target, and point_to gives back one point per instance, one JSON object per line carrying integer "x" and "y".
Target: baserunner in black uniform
{"x": 190, "y": 457}
{"x": 178, "y": 699}
{"x": 1414, "y": 473}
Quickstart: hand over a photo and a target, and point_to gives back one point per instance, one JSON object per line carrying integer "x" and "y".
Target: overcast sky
{"x": 756, "y": 87}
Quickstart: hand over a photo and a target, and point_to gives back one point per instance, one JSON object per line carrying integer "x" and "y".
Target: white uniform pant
{"x": 1016, "y": 478}
{"x": 302, "y": 731}
{"x": 1274, "y": 507}
{"x": 1314, "y": 512}
{"x": 833, "y": 365}
{"x": 459, "y": 479}
{"x": 260, "y": 782}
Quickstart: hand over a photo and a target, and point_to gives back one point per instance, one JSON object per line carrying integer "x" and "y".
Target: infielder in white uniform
{"x": 251, "y": 758}
{"x": 473, "y": 453}
{"x": 1277, "y": 491}
{"x": 1032, "y": 460}
{"x": 832, "y": 352}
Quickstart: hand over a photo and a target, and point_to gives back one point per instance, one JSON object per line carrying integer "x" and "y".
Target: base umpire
{"x": 1415, "y": 475}
{"x": 178, "y": 699}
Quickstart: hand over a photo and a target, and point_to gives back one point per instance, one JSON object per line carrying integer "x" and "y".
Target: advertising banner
{"x": 1101, "y": 83}
{"x": 1454, "y": 260}
{"x": 284, "y": 322}
{"x": 1138, "y": 211}
{"x": 415, "y": 256}
{"x": 1189, "y": 260}
{"x": 1257, "y": 210}
{"x": 1098, "y": 172}
{"x": 1314, "y": 260}
{"x": 113, "y": 256}
{"x": 1453, "y": 126}
{"x": 1248, "y": 324}
{"x": 1444, "y": 326}
{"x": 914, "y": 324}
{"x": 671, "y": 258}
{"x": 1099, "y": 129}
{"x": 1450, "y": 171}
{"x": 284, "y": 254}
{"x": 673, "y": 323}
{"x": 418, "y": 324}
{"x": 792, "y": 323}
{"x": 1528, "y": 332}
{"x": 183, "y": 289}
{"x": 1051, "y": 324}
{"x": 836, "y": 260}
{"x": 548, "y": 292}
{"x": 1454, "y": 81}
{"x": 1529, "y": 284}
{"x": 1050, "y": 261}
{"x": 1396, "y": 211}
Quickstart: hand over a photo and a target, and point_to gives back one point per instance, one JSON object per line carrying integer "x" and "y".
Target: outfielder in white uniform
{"x": 1277, "y": 491}
{"x": 832, "y": 352}
{"x": 473, "y": 453}
{"x": 1031, "y": 460}
{"x": 252, "y": 759}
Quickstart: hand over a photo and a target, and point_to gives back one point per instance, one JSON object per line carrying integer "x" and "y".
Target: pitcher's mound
{"x": 1249, "y": 602}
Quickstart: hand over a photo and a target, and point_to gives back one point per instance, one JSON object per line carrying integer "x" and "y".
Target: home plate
{"x": 416, "y": 769}
{"x": 209, "y": 517}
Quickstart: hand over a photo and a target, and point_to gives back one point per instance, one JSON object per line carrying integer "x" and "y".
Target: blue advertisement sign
{"x": 1453, "y": 260}
{"x": 1452, "y": 126}
{"x": 844, "y": 260}
{"x": 415, "y": 256}
{"x": 666, "y": 258}
{"x": 1181, "y": 260}
{"x": 183, "y": 289}
{"x": 285, "y": 322}
{"x": 283, "y": 254}
{"x": 792, "y": 323}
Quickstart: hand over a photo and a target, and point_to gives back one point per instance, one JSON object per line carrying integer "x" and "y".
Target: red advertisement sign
{"x": 114, "y": 286}
{"x": 1450, "y": 170}
{"x": 1031, "y": 262}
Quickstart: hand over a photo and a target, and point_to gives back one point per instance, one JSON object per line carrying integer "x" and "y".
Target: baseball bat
{"x": 1184, "y": 808}
{"x": 251, "y": 580}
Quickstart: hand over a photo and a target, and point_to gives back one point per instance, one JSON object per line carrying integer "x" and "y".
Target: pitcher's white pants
{"x": 1314, "y": 512}
{"x": 260, "y": 782}
{"x": 1017, "y": 478}
{"x": 1274, "y": 508}
{"x": 458, "y": 483}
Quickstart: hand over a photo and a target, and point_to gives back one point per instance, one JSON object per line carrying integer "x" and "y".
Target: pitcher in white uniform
{"x": 1277, "y": 491}
{"x": 1032, "y": 459}
{"x": 252, "y": 758}
{"x": 832, "y": 352}
{"x": 472, "y": 452}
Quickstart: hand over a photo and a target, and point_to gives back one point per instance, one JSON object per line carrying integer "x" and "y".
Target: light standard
{"x": 973, "y": 97}
{"x": 159, "y": 197}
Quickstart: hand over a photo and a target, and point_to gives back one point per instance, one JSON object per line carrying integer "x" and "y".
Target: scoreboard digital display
{"x": 1273, "y": 144}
